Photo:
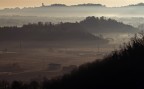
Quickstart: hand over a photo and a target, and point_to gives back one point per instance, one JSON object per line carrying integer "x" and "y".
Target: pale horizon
{"x": 36, "y": 3}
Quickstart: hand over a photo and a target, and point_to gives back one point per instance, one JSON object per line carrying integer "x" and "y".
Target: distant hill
{"x": 103, "y": 25}
{"x": 63, "y": 32}
{"x": 139, "y": 4}
{"x": 63, "y": 5}
{"x": 90, "y": 4}
{"x": 53, "y": 10}
{"x": 80, "y": 10}
{"x": 57, "y": 5}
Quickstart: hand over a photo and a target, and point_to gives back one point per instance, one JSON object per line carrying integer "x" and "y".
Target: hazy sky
{"x": 32, "y": 3}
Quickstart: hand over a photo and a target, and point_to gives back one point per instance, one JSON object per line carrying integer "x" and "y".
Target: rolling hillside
{"x": 63, "y": 32}
{"x": 103, "y": 25}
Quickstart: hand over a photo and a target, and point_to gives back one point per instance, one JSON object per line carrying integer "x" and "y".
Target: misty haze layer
{"x": 58, "y": 10}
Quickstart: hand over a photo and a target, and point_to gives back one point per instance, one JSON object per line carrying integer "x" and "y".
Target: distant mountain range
{"x": 78, "y": 5}
{"x": 63, "y": 5}
{"x": 139, "y": 4}
{"x": 88, "y": 4}
{"x": 89, "y": 9}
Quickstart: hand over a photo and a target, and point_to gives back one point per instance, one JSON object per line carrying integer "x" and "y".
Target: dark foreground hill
{"x": 123, "y": 69}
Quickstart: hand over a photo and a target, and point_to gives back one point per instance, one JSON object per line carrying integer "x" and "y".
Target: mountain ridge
{"x": 77, "y": 5}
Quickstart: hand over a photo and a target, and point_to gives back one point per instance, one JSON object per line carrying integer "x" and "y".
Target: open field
{"x": 26, "y": 62}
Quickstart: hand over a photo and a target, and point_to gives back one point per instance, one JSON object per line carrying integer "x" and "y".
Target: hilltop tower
{"x": 43, "y": 5}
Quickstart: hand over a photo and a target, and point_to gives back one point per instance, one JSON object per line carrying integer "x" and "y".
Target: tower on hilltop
{"x": 43, "y": 5}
